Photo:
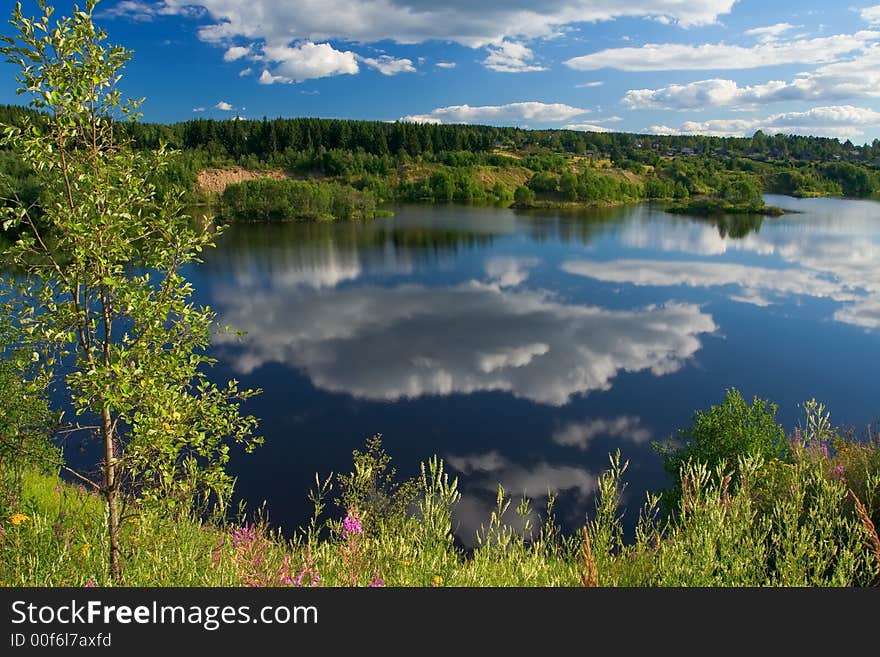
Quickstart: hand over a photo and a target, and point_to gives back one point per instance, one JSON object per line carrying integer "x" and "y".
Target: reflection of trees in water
{"x": 422, "y": 236}
{"x": 735, "y": 226}
{"x": 447, "y": 241}
{"x": 348, "y": 235}
{"x": 416, "y": 235}
{"x": 337, "y": 251}
{"x": 576, "y": 225}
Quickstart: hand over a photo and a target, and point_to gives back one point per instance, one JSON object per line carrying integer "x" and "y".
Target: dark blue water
{"x": 523, "y": 348}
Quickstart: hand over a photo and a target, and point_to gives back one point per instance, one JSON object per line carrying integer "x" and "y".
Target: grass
{"x": 808, "y": 521}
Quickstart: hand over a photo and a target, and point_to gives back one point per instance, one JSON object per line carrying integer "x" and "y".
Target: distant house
{"x": 687, "y": 151}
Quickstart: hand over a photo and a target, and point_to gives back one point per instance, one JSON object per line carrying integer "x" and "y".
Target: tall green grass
{"x": 748, "y": 523}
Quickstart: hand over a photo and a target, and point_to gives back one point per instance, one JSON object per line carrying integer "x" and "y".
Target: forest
{"x": 370, "y": 162}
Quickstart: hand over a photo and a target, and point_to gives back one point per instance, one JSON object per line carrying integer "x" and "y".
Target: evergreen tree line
{"x": 266, "y": 138}
{"x": 379, "y": 160}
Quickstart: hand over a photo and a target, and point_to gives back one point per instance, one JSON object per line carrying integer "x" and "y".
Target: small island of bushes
{"x": 737, "y": 195}
{"x": 712, "y": 207}
{"x": 267, "y": 199}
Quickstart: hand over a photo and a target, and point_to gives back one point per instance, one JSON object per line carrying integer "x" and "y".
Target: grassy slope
{"x": 789, "y": 524}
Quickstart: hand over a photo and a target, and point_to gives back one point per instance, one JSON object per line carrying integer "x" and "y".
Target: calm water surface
{"x": 524, "y": 348}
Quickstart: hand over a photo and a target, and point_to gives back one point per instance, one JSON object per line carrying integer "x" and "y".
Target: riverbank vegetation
{"x": 768, "y": 510}
{"x": 98, "y": 301}
{"x": 294, "y": 200}
{"x": 406, "y": 162}
{"x": 736, "y": 195}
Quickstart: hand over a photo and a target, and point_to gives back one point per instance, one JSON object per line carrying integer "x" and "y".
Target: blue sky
{"x": 725, "y": 67}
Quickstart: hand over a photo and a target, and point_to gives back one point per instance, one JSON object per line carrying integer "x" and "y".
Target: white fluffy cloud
{"x": 595, "y": 125}
{"x": 446, "y": 64}
{"x": 234, "y": 53}
{"x": 534, "y": 481}
{"x": 306, "y": 61}
{"x": 720, "y": 56}
{"x": 586, "y": 127}
{"x": 858, "y": 77}
{"x": 871, "y": 14}
{"x": 473, "y": 24}
{"x": 141, "y": 10}
{"x": 770, "y": 32}
{"x": 223, "y": 106}
{"x": 510, "y": 114}
{"x": 842, "y": 121}
{"x": 705, "y": 93}
{"x": 511, "y": 57}
{"x": 387, "y": 65}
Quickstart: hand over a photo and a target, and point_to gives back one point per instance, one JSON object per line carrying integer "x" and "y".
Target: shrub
{"x": 523, "y": 197}
{"x": 722, "y": 435}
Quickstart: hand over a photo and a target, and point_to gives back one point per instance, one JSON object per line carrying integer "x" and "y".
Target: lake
{"x": 524, "y": 347}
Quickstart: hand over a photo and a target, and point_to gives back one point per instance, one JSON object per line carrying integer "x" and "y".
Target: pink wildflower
{"x": 244, "y": 535}
{"x": 351, "y": 524}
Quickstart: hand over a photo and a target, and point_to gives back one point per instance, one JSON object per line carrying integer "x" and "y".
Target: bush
{"x": 523, "y": 197}
{"x": 295, "y": 200}
{"x": 25, "y": 429}
{"x": 724, "y": 434}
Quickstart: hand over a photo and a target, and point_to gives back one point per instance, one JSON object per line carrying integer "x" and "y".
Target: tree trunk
{"x": 111, "y": 493}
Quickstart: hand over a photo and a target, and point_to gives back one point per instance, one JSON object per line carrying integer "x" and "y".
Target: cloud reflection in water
{"x": 408, "y": 341}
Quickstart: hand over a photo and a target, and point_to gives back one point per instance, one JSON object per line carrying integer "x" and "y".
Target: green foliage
{"x": 523, "y": 197}
{"x": 748, "y": 523}
{"x": 294, "y": 200}
{"x": 26, "y": 423}
{"x": 722, "y": 435}
{"x": 742, "y": 190}
{"x": 17, "y": 182}
{"x": 544, "y": 183}
{"x": 443, "y": 186}
{"x": 103, "y": 264}
{"x": 853, "y": 179}
{"x": 501, "y": 193}
{"x": 659, "y": 188}
{"x": 741, "y": 217}
{"x": 803, "y": 182}
{"x": 372, "y": 489}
